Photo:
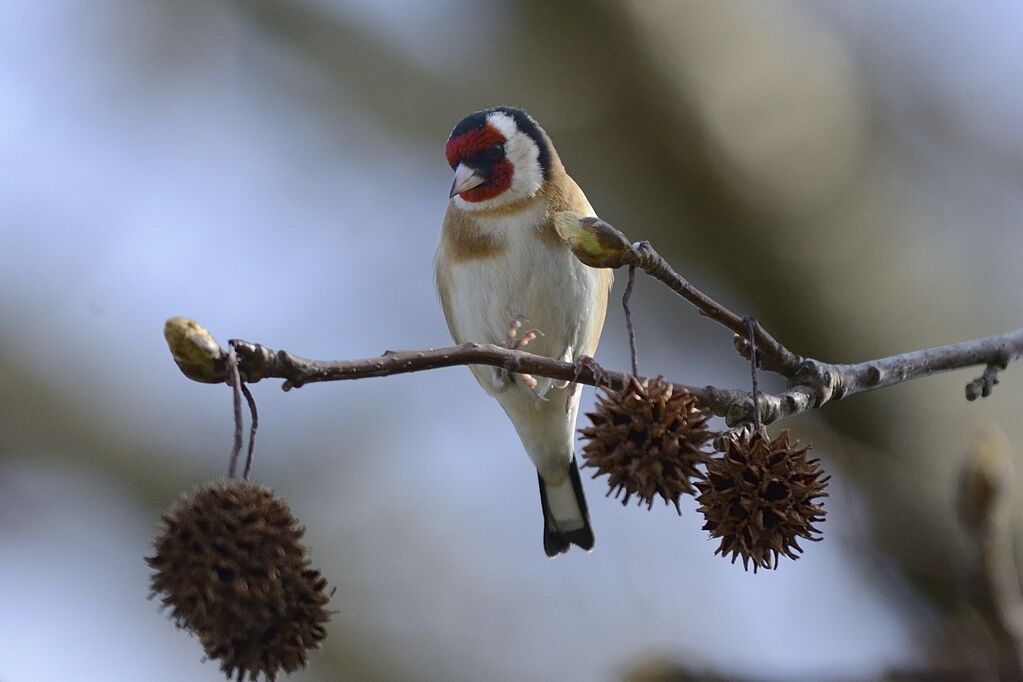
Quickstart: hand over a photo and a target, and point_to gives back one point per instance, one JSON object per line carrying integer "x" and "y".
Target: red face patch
{"x": 470, "y": 148}
{"x": 498, "y": 180}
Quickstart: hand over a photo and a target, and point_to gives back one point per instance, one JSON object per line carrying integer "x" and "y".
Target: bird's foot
{"x": 584, "y": 362}
{"x": 515, "y": 339}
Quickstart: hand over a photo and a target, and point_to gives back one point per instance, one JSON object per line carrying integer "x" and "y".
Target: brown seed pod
{"x": 647, "y": 440}
{"x": 760, "y": 496}
{"x": 232, "y": 569}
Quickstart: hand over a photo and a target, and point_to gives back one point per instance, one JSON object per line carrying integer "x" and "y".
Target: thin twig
{"x": 628, "y": 320}
{"x": 816, "y": 383}
{"x": 235, "y": 382}
{"x": 750, "y": 322}
{"x": 812, "y": 383}
{"x": 260, "y": 362}
{"x": 774, "y": 356}
{"x": 599, "y": 244}
{"x": 982, "y": 386}
{"x": 254, "y": 416}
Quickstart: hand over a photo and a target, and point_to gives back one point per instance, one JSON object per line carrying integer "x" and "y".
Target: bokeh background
{"x": 851, "y": 173}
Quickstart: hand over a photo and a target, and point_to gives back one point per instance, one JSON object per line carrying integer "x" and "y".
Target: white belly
{"x": 559, "y": 297}
{"x": 549, "y": 286}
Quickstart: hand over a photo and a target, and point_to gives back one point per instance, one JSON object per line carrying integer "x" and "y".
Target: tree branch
{"x": 834, "y": 382}
{"x": 601, "y": 245}
{"x": 774, "y": 357}
{"x": 816, "y": 383}
{"x": 258, "y": 362}
{"x": 812, "y": 383}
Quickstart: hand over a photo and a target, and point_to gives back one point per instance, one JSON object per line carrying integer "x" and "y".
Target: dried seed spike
{"x": 647, "y": 439}
{"x": 231, "y": 567}
{"x": 760, "y": 496}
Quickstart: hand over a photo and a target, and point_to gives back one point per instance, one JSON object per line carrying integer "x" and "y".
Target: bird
{"x": 504, "y": 276}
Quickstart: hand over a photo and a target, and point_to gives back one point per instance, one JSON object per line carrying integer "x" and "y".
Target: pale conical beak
{"x": 465, "y": 179}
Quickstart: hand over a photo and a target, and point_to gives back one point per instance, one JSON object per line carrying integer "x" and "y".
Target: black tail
{"x": 555, "y": 540}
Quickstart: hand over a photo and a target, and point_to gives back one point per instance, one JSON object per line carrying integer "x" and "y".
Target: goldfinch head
{"x": 499, "y": 156}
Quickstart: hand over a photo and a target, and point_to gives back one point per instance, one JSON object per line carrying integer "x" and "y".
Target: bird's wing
{"x": 568, "y": 196}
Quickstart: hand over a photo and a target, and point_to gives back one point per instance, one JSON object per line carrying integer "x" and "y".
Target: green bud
{"x": 196, "y": 352}
{"x": 593, "y": 241}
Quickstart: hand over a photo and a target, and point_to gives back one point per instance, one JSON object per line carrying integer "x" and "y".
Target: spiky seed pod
{"x": 232, "y": 569}
{"x": 759, "y": 496}
{"x": 647, "y": 440}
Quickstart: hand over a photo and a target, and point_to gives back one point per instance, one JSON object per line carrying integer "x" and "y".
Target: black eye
{"x": 495, "y": 152}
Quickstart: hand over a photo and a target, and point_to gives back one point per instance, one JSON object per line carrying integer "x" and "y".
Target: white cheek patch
{"x": 522, "y": 151}
{"x": 525, "y": 155}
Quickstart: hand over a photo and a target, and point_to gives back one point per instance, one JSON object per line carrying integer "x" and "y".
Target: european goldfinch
{"x": 501, "y": 265}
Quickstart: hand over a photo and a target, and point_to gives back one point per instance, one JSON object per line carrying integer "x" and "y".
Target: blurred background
{"x": 850, "y": 173}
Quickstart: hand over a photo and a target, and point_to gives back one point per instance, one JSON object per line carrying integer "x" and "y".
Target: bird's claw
{"x": 500, "y": 379}
{"x": 503, "y": 378}
{"x": 584, "y": 362}
{"x": 514, "y": 340}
